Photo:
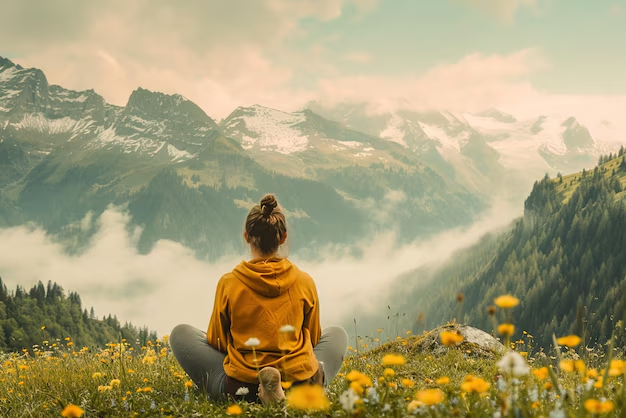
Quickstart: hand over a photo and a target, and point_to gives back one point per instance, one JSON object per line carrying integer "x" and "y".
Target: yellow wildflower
{"x": 429, "y": 396}
{"x": 616, "y": 367}
{"x": 188, "y": 384}
{"x": 599, "y": 383}
{"x": 286, "y": 385}
{"x": 408, "y": 383}
{"x": 597, "y": 407}
{"x": 115, "y": 383}
{"x": 104, "y": 388}
{"x": 357, "y": 388}
{"x": 362, "y": 379}
{"x": 393, "y": 360}
{"x": 474, "y": 384}
{"x": 389, "y": 373}
{"x": 234, "y": 410}
{"x": 449, "y": 338}
{"x": 570, "y": 340}
{"x": 72, "y": 411}
{"x": 570, "y": 366}
{"x": 541, "y": 373}
{"x": 443, "y": 380}
{"x": 308, "y": 397}
{"x": 506, "y": 329}
{"x": 506, "y": 301}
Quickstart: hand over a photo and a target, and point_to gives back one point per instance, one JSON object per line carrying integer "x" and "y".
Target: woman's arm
{"x": 312, "y": 319}
{"x": 219, "y": 326}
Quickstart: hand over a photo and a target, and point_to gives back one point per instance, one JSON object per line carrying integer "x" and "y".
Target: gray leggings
{"x": 205, "y": 365}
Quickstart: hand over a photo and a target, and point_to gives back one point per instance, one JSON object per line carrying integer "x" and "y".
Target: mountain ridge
{"x": 59, "y": 167}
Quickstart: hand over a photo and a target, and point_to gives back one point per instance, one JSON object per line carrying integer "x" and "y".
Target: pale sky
{"x": 455, "y": 54}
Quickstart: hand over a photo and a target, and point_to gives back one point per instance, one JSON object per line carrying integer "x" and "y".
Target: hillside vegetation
{"x": 565, "y": 257}
{"x": 44, "y": 313}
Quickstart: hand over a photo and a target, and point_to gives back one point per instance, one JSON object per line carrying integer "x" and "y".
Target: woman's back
{"x": 265, "y": 325}
{"x": 275, "y": 302}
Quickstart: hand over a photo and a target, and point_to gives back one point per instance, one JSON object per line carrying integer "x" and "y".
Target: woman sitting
{"x": 265, "y": 327}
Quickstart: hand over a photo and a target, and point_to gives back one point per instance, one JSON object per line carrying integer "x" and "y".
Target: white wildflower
{"x": 512, "y": 362}
{"x": 372, "y": 395}
{"x": 557, "y": 413}
{"x": 242, "y": 391}
{"x": 252, "y": 342}
{"x": 287, "y": 328}
{"x": 501, "y": 385}
{"x": 348, "y": 399}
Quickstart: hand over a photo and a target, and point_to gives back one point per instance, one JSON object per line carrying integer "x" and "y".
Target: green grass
{"x": 40, "y": 382}
{"x": 571, "y": 181}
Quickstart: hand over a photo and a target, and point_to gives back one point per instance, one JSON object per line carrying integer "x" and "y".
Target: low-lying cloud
{"x": 169, "y": 285}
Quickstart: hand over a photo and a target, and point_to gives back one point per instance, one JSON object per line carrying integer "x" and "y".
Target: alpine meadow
{"x": 448, "y": 177}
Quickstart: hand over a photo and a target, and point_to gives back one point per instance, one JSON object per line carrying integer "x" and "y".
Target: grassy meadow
{"x": 436, "y": 374}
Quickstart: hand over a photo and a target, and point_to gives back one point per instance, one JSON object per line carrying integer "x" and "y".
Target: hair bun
{"x": 268, "y": 204}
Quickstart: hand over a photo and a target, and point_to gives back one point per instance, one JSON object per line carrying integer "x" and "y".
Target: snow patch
{"x": 393, "y": 132}
{"x": 38, "y": 122}
{"x": 7, "y": 74}
{"x": 351, "y": 144}
{"x": 444, "y": 139}
{"x": 275, "y": 131}
{"x": 8, "y": 94}
{"x": 178, "y": 155}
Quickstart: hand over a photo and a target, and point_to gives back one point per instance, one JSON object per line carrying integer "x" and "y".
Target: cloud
{"x": 616, "y": 10}
{"x": 216, "y": 53}
{"x": 169, "y": 286}
{"x": 359, "y": 57}
{"x": 474, "y": 83}
{"x": 504, "y": 10}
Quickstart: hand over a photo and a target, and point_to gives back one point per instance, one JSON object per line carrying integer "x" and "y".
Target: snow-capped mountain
{"x": 151, "y": 124}
{"x": 156, "y": 124}
{"x": 301, "y": 143}
{"x": 491, "y": 142}
{"x": 65, "y": 156}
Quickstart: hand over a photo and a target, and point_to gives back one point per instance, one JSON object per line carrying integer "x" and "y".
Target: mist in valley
{"x": 170, "y": 285}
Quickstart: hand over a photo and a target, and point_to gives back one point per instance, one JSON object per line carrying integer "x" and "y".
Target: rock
{"x": 476, "y": 343}
{"x": 481, "y": 338}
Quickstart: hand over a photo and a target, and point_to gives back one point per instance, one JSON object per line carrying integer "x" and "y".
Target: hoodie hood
{"x": 270, "y": 278}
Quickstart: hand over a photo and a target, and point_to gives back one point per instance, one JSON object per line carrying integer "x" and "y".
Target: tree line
{"x": 45, "y": 313}
{"x": 564, "y": 259}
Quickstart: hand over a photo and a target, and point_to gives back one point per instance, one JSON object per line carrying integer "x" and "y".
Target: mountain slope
{"x": 566, "y": 253}
{"x": 67, "y": 156}
{"x": 490, "y": 151}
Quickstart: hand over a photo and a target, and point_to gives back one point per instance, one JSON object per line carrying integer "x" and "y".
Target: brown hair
{"x": 265, "y": 225}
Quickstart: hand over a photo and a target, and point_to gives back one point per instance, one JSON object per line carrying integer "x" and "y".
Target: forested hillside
{"x": 565, "y": 260}
{"x": 44, "y": 313}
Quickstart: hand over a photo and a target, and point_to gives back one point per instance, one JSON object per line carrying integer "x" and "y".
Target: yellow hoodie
{"x": 254, "y": 301}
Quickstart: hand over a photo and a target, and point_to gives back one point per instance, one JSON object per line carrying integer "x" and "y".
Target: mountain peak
{"x": 6, "y": 63}
{"x": 141, "y": 95}
{"x": 158, "y": 104}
